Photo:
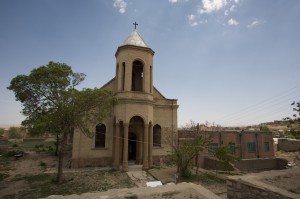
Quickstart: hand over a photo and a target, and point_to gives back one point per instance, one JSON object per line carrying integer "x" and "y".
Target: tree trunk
{"x": 61, "y": 157}
{"x": 197, "y": 165}
{"x": 56, "y": 145}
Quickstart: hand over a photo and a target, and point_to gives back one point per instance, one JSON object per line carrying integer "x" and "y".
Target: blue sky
{"x": 228, "y": 62}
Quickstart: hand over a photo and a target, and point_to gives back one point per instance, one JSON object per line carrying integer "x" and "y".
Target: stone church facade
{"x": 142, "y": 126}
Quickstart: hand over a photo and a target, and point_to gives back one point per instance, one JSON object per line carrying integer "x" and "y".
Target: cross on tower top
{"x": 135, "y": 25}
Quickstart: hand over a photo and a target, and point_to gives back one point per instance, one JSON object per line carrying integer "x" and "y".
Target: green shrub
{"x": 10, "y": 154}
{"x": 43, "y": 164}
{"x": 14, "y": 145}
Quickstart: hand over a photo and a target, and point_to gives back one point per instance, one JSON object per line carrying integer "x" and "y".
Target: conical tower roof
{"x": 135, "y": 39}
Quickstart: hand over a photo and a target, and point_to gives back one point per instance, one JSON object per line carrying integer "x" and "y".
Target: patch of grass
{"x": 43, "y": 185}
{"x": 126, "y": 183}
{"x": 43, "y": 164}
{"x": 205, "y": 179}
{"x": 5, "y": 144}
{"x": 15, "y": 145}
{"x": 11, "y": 196}
{"x": 34, "y": 145}
{"x": 9, "y": 154}
{"x": 36, "y": 178}
{"x": 228, "y": 173}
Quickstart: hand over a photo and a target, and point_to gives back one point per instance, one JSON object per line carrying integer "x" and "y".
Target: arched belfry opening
{"x": 137, "y": 76}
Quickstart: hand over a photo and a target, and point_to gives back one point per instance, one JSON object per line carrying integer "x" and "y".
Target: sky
{"x": 228, "y": 62}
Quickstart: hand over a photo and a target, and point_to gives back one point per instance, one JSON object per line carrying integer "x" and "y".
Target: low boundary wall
{"x": 252, "y": 186}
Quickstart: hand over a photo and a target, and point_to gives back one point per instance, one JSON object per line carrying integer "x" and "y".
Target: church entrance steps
{"x": 134, "y": 167}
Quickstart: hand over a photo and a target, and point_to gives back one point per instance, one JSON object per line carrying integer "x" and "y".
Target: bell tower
{"x": 134, "y": 66}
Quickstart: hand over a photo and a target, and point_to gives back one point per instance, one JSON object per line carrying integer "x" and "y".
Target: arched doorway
{"x": 135, "y": 137}
{"x": 132, "y": 146}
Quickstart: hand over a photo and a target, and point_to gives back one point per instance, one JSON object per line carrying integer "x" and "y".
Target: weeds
{"x": 15, "y": 145}
{"x": 43, "y": 165}
{"x": 205, "y": 179}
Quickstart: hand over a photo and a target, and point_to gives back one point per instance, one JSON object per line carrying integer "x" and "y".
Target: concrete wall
{"x": 261, "y": 164}
{"x": 288, "y": 145}
{"x": 213, "y": 164}
{"x": 247, "y": 165}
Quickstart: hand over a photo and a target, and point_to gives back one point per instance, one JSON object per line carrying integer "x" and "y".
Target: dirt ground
{"x": 28, "y": 179}
{"x": 18, "y": 185}
{"x": 288, "y": 181}
{"x": 77, "y": 181}
{"x": 27, "y": 165}
{"x": 167, "y": 175}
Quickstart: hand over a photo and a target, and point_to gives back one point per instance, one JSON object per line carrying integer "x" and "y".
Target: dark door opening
{"x": 131, "y": 147}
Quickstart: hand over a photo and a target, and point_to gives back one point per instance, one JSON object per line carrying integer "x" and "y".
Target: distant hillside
{"x": 6, "y": 126}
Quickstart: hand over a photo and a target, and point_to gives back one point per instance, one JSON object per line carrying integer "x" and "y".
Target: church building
{"x": 142, "y": 126}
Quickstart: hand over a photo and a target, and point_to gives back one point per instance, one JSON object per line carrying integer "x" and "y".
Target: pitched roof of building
{"x": 135, "y": 39}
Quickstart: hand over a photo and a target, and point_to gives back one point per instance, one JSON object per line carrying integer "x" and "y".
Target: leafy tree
{"x": 14, "y": 133}
{"x": 225, "y": 155}
{"x": 294, "y": 122}
{"x": 52, "y": 104}
{"x": 1, "y": 131}
{"x": 264, "y": 128}
{"x": 190, "y": 126}
{"x": 184, "y": 153}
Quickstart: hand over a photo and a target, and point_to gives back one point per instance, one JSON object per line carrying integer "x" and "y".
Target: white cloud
{"x": 254, "y": 23}
{"x": 211, "y": 6}
{"x": 177, "y": 1}
{"x": 207, "y": 7}
{"x": 232, "y": 22}
{"x": 232, "y": 8}
{"x": 192, "y": 20}
{"x": 121, "y": 5}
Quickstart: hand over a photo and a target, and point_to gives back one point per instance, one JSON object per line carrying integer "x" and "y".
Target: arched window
{"x": 151, "y": 80}
{"x": 100, "y": 136}
{"x": 157, "y": 136}
{"x": 123, "y": 76}
{"x": 137, "y": 76}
